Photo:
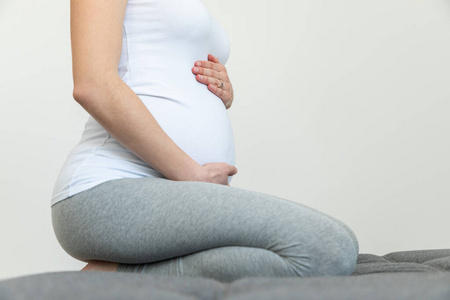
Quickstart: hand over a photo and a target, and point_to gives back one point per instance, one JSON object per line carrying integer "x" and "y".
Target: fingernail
{"x": 198, "y": 64}
{"x": 195, "y": 69}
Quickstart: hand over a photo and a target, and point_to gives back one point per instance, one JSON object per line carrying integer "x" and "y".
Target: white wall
{"x": 339, "y": 105}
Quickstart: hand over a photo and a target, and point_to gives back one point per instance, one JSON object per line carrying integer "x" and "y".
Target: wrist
{"x": 190, "y": 171}
{"x": 198, "y": 173}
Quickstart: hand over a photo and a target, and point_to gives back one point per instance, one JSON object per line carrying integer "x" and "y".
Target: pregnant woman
{"x": 146, "y": 189}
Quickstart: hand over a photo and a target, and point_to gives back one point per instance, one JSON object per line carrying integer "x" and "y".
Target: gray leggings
{"x": 200, "y": 229}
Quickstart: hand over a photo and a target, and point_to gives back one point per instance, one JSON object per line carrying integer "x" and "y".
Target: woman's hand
{"x": 210, "y": 72}
{"x": 216, "y": 173}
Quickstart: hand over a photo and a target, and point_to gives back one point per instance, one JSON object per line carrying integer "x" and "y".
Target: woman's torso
{"x": 161, "y": 42}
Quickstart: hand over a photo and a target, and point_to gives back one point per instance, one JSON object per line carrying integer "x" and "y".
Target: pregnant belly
{"x": 199, "y": 125}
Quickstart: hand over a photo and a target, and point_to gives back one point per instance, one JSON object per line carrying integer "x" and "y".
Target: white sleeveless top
{"x": 162, "y": 39}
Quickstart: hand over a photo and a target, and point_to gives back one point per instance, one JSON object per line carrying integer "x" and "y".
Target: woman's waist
{"x": 114, "y": 158}
{"x": 206, "y": 138}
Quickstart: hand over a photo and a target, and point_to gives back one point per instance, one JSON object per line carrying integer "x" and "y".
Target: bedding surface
{"x": 421, "y": 274}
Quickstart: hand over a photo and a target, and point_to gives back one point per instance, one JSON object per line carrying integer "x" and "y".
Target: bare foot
{"x": 99, "y": 265}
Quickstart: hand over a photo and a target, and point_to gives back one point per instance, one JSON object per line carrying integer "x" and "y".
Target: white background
{"x": 340, "y": 105}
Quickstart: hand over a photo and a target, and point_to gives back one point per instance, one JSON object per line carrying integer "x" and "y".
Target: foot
{"x": 99, "y": 265}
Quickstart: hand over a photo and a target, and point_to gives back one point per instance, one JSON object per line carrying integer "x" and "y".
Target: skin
{"x": 210, "y": 72}
{"x": 96, "y": 40}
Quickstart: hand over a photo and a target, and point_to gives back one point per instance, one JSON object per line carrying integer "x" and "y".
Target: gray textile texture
{"x": 198, "y": 229}
{"x": 405, "y": 261}
{"x": 97, "y": 285}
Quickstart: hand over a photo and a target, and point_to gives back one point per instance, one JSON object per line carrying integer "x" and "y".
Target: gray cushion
{"x": 400, "y": 275}
{"x": 405, "y": 261}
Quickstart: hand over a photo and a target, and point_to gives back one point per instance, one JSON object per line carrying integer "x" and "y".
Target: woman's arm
{"x": 96, "y": 36}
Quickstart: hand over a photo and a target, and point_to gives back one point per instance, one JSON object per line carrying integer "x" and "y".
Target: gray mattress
{"x": 421, "y": 274}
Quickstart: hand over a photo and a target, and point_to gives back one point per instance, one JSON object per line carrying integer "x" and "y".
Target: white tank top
{"x": 161, "y": 42}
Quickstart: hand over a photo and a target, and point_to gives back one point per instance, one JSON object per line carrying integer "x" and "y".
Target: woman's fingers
{"x": 213, "y": 58}
{"x": 209, "y": 65}
{"x": 206, "y": 72}
{"x": 209, "y": 80}
{"x": 232, "y": 171}
{"x": 212, "y": 73}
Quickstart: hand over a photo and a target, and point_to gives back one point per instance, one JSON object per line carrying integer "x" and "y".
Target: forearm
{"x": 117, "y": 108}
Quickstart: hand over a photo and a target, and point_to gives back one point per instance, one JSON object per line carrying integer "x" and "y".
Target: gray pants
{"x": 200, "y": 229}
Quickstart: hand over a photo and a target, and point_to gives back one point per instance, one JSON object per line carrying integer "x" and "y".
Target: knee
{"x": 329, "y": 248}
{"x": 338, "y": 253}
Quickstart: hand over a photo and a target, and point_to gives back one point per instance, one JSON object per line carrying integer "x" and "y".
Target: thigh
{"x": 142, "y": 220}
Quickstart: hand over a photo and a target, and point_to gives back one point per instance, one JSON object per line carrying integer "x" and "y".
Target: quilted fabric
{"x": 405, "y": 261}
{"x": 412, "y": 275}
